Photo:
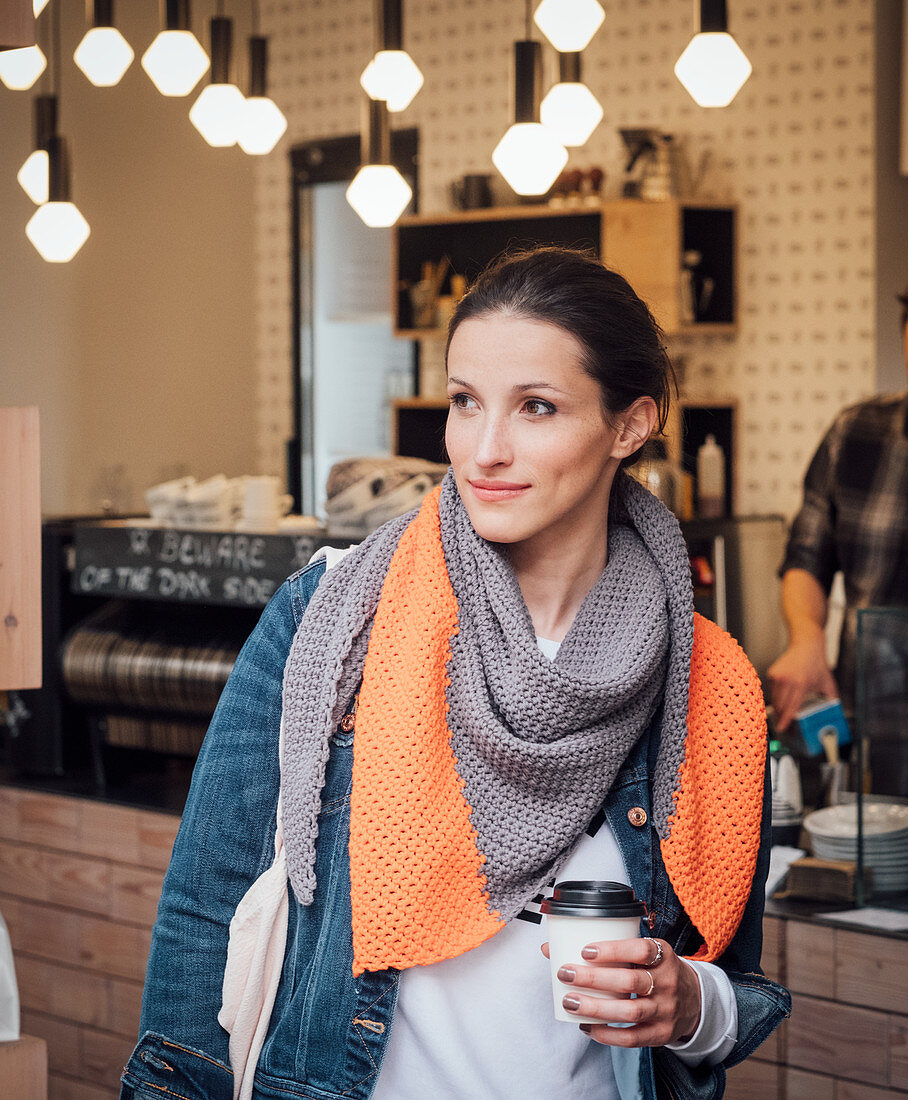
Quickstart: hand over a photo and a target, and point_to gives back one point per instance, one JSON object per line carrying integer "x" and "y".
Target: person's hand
{"x": 800, "y": 671}
{"x": 666, "y": 1008}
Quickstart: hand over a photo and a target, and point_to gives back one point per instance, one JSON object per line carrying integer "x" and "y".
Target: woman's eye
{"x": 461, "y": 400}
{"x": 537, "y": 407}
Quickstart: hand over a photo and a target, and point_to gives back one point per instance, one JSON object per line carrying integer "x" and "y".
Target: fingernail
{"x": 590, "y": 953}
{"x": 586, "y": 1027}
{"x": 571, "y": 1004}
{"x": 567, "y": 974}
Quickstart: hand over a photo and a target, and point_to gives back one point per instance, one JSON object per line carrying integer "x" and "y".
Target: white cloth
{"x": 480, "y": 1024}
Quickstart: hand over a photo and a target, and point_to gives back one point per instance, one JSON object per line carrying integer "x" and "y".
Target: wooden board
{"x": 20, "y": 547}
{"x": 23, "y": 1068}
{"x": 825, "y": 1037}
{"x": 80, "y": 881}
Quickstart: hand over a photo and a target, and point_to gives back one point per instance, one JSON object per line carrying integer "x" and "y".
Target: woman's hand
{"x": 670, "y": 1012}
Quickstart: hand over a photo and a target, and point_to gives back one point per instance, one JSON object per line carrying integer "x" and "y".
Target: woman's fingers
{"x": 619, "y": 981}
{"x": 636, "y": 952}
{"x": 639, "y": 1011}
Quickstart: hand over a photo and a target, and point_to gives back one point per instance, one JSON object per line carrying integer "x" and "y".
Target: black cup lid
{"x": 593, "y": 899}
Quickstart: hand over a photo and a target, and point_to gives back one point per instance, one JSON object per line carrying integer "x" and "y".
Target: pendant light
{"x": 391, "y": 75}
{"x": 529, "y": 156}
{"x": 57, "y": 228}
{"x": 570, "y": 110}
{"x": 175, "y": 61}
{"x": 33, "y": 175}
{"x": 216, "y": 113}
{"x": 713, "y": 67}
{"x": 378, "y": 193}
{"x": 19, "y": 69}
{"x": 103, "y": 55}
{"x": 569, "y": 24}
{"x": 262, "y": 123}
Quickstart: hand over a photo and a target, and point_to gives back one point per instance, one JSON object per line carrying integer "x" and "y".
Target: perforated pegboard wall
{"x": 795, "y": 150}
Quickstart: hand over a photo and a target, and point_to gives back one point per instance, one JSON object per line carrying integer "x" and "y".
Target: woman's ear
{"x": 635, "y": 426}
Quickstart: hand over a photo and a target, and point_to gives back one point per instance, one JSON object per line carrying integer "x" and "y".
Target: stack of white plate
{"x": 833, "y": 832}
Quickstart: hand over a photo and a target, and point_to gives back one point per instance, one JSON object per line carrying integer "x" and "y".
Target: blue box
{"x": 816, "y": 719}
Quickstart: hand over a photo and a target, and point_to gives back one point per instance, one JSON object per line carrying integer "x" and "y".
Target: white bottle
{"x": 710, "y": 479}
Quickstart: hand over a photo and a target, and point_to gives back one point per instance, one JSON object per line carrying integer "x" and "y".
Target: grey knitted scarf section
{"x": 538, "y": 743}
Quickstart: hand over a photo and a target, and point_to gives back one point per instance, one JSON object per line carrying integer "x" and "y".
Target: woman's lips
{"x": 497, "y": 490}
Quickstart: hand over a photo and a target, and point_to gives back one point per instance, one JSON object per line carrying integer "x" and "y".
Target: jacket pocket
{"x": 161, "y": 1068}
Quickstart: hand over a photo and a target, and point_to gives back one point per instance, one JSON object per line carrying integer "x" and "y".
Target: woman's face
{"x": 531, "y": 451}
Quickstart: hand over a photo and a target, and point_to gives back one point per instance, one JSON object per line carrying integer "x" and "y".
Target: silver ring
{"x": 658, "y": 959}
{"x": 652, "y": 985}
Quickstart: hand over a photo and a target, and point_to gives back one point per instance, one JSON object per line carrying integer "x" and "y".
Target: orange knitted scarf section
{"x": 419, "y": 893}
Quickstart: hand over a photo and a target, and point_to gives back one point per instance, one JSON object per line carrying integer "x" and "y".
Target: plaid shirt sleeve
{"x": 812, "y": 542}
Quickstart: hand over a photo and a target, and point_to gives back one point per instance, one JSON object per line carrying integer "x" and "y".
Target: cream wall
{"x": 140, "y": 352}
{"x": 795, "y": 149}
{"x": 166, "y": 343}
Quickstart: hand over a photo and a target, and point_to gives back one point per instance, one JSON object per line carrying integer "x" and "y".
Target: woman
{"x": 504, "y": 688}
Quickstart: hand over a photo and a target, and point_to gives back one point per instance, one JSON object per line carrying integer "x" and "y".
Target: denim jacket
{"x": 328, "y": 1030}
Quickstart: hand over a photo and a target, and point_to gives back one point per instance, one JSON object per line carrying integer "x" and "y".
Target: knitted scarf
{"x": 478, "y": 762}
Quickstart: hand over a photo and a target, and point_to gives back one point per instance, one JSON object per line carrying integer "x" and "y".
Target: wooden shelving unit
{"x": 645, "y": 241}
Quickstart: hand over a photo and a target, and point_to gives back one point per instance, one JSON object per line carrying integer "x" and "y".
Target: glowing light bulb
{"x": 379, "y": 194}
{"x": 33, "y": 177}
{"x": 216, "y": 114}
{"x": 392, "y": 75}
{"x": 19, "y": 69}
{"x": 104, "y": 55}
{"x": 569, "y": 24}
{"x": 571, "y": 112}
{"x": 713, "y": 68}
{"x": 175, "y": 62}
{"x": 530, "y": 158}
{"x": 261, "y": 125}
{"x": 58, "y": 231}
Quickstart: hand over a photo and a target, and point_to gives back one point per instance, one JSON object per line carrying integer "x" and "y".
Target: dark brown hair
{"x": 623, "y": 346}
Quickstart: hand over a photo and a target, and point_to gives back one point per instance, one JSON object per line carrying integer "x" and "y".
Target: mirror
{"x": 347, "y": 364}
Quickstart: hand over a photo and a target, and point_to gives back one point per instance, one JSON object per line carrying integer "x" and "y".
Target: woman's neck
{"x": 555, "y": 578}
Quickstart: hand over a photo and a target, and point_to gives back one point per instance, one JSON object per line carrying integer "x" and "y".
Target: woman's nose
{"x": 493, "y": 445}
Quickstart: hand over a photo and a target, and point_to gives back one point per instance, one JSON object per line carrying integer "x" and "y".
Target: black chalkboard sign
{"x": 228, "y": 568}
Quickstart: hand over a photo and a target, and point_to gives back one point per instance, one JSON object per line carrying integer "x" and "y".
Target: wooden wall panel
{"x": 808, "y": 1086}
{"x": 838, "y": 1039}
{"x": 871, "y": 971}
{"x": 810, "y": 959}
{"x": 753, "y": 1080}
{"x": 68, "y": 1088}
{"x": 773, "y": 948}
{"x": 80, "y": 883}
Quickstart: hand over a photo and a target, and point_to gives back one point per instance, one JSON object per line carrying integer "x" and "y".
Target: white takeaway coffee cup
{"x": 584, "y": 912}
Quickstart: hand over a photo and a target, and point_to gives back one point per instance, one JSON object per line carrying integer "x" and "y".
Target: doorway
{"x": 348, "y": 366}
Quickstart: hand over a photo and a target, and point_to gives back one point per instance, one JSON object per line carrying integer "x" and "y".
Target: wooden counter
{"x": 847, "y": 1038}
{"x": 79, "y": 888}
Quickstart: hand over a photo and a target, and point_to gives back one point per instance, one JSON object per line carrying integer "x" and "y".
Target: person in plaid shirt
{"x": 854, "y": 518}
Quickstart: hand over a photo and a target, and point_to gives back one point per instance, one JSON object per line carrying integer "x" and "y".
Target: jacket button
{"x": 637, "y": 816}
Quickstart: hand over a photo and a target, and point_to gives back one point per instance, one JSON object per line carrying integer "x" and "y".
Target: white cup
{"x": 263, "y": 504}
{"x": 583, "y": 912}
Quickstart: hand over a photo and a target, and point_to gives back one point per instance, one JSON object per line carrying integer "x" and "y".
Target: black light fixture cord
{"x": 529, "y": 10}
{"x": 255, "y": 17}
{"x": 55, "y": 51}
{"x": 219, "y": 8}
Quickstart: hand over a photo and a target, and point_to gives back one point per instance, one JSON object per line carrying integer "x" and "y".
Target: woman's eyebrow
{"x": 521, "y": 388}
